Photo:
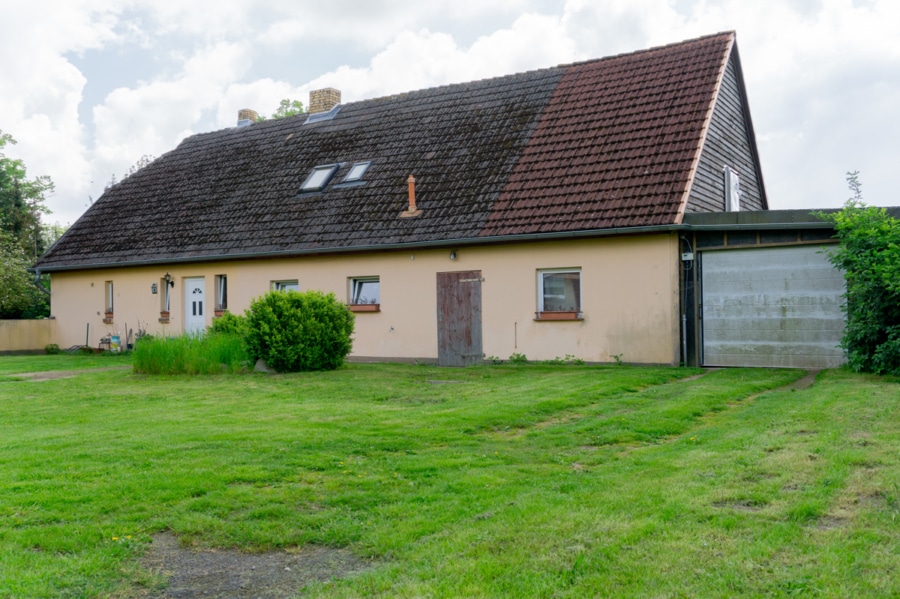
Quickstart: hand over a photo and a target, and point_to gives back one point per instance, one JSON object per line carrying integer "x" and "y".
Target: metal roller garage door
{"x": 778, "y": 306}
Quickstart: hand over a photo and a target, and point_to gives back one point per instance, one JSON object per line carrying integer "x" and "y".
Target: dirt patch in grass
{"x": 217, "y": 573}
{"x": 830, "y": 522}
{"x": 740, "y": 505}
{"x": 51, "y": 375}
{"x": 805, "y": 381}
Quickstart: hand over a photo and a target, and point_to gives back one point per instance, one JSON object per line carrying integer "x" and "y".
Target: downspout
{"x": 37, "y": 281}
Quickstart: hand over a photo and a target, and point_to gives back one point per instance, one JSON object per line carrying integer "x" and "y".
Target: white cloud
{"x": 616, "y": 26}
{"x": 152, "y": 117}
{"x": 42, "y": 89}
{"x": 415, "y": 60}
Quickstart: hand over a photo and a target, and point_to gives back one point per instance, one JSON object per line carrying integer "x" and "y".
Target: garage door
{"x": 778, "y": 306}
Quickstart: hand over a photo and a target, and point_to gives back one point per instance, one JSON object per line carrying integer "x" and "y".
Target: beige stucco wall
{"x": 26, "y": 335}
{"x": 629, "y": 297}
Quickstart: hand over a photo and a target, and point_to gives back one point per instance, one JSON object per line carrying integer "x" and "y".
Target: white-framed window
{"x": 286, "y": 285}
{"x": 365, "y": 291}
{"x": 108, "y": 291}
{"x": 165, "y": 296}
{"x": 221, "y": 292}
{"x": 319, "y": 177}
{"x": 732, "y": 190}
{"x": 559, "y": 290}
{"x": 357, "y": 171}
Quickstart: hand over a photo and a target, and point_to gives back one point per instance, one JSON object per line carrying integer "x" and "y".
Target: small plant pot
{"x": 218, "y": 313}
{"x": 163, "y": 317}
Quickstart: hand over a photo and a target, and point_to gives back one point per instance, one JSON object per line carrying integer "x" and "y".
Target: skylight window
{"x": 357, "y": 171}
{"x": 319, "y": 178}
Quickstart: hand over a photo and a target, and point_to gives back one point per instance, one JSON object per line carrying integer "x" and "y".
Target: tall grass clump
{"x": 191, "y": 354}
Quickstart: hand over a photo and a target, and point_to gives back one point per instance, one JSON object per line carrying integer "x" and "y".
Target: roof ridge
{"x": 670, "y": 46}
{"x": 654, "y": 49}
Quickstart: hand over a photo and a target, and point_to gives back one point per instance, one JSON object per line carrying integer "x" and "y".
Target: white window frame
{"x": 110, "y": 296}
{"x": 286, "y": 285}
{"x": 732, "y": 190}
{"x": 357, "y": 171}
{"x": 165, "y": 298}
{"x": 318, "y": 179}
{"x": 542, "y": 273}
{"x": 357, "y": 286}
{"x": 221, "y": 292}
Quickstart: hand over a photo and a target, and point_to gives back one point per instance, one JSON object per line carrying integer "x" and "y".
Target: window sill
{"x": 108, "y": 318}
{"x": 364, "y": 307}
{"x": 558, "y": 316}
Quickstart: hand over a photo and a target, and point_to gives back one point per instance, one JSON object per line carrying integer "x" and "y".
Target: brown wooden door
{"x": 459, "y": 318}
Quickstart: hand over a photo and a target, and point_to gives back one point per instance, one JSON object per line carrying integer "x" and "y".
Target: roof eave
{"x": 418, "y": 245}
{"x": 720, "y": 221}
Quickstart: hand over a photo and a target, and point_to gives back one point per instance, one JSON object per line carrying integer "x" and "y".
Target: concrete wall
{"x": 26, "y": 335}
{"x": 629, "y": 297}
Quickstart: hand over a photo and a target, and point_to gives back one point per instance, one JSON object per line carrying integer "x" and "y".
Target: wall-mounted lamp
{"x": 169, "y": 280}
{"x": 453, "y": 254}
{"x": 153, "y": 288}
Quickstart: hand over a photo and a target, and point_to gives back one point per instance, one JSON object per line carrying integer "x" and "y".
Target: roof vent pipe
{"x": 411, "y": 210}
{"x": 247, "y": 116}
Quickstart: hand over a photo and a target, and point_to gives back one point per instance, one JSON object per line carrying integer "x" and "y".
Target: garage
{"x": 770, "y": 307}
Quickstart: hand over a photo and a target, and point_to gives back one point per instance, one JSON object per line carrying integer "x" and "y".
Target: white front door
{"x": 194, "y": 305}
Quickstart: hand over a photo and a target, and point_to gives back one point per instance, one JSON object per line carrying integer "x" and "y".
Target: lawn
{"x": 493, "y": 481}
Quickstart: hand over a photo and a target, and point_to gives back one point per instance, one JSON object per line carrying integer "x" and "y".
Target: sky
{"x": 89, "y": 87}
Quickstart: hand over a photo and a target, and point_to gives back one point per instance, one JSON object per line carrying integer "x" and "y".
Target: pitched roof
{"x": 601, "y": 144}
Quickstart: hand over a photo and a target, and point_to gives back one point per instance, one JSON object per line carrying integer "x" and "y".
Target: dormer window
{"x": 357, "y": 171}
{"x": 319, "y": 178}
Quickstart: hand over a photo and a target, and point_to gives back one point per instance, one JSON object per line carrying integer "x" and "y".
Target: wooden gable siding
{"x": 728, "y": 142}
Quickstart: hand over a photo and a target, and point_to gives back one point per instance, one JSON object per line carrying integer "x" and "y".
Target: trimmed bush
{"x": 295, "y": 332}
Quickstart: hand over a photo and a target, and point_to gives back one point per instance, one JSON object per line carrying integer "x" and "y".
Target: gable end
{"x": 729, "y": 142}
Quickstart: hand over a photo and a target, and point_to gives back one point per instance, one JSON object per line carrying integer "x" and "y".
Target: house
{"x": 541, "y": 213}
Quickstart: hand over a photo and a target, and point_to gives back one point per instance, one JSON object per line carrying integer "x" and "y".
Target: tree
{"x": 287, "y": 108}
{"x": 23, "y": 236}
{"x": 19, "y": 297}
{"x": 869, "y": 255}
{"x": 22, "y": 202}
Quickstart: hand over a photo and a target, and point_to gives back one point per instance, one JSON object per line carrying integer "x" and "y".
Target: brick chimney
{"x": 323, "y": 100}
{"x": 246, "y": 116}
